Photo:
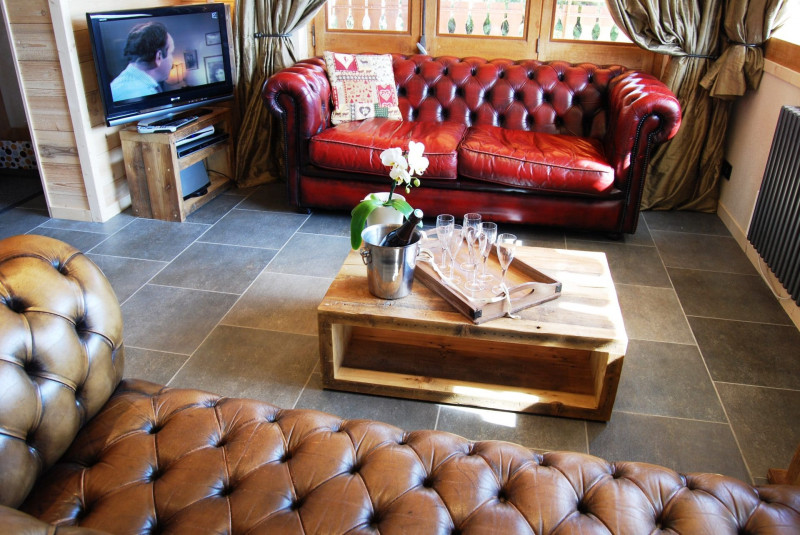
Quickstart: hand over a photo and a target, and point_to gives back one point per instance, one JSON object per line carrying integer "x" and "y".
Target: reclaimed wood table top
{"x": 587, "y": 310}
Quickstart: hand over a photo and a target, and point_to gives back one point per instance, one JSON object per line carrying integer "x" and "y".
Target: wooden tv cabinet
{"x": 153, "y": 167}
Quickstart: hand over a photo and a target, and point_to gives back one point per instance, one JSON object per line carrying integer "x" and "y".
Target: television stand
{"x": 153, "y": 166}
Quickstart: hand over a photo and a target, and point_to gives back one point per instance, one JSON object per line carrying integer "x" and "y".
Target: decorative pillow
{"x": 362, "y": 86}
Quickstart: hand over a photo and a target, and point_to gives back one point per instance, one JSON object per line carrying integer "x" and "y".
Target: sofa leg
{"x": 616, "y": 236}
{"x": 790, "y": 476}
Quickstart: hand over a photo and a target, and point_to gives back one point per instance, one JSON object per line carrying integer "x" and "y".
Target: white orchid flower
{"x": 400, "y": 175}
{"x": 393, "y": 157}
{"x": 417, "y": 163}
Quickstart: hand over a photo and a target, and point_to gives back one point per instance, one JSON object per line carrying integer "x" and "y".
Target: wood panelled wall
{"x": 80, "y": 158}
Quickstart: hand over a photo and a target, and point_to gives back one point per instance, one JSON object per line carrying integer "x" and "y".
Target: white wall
{"x": 749, "y": 139}
{"x": 750, "y": 133}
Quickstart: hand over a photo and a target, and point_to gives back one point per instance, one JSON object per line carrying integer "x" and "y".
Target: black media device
{"x": 161, "y": 63}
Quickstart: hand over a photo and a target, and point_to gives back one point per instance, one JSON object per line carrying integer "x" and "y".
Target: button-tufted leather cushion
{"x": 356, "y": 147}
{"x": 159, "y": 460}
{"x": 60, "y": 354}
{"x": 536, "y": 161}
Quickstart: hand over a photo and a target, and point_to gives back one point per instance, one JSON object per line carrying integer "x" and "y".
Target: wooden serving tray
{"x": 527, "y": 286}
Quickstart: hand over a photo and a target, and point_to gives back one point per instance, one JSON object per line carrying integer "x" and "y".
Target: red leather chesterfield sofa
{"x": 518, "y": 141}
{"x": 81, "y": 451}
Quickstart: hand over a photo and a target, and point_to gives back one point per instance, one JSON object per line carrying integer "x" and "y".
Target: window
{"x": 570, "y": 30}
{"x": 790, "y": 31}
{"x": 367, "y": 15}
{"x": 585, "y": 20}
{"x": 479, "y": 17}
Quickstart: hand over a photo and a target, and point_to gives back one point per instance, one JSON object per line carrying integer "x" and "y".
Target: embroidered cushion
{"x": 362, "y": 87}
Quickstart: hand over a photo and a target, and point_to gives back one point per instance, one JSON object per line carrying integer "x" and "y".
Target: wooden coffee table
{"x": 562, "y": 358}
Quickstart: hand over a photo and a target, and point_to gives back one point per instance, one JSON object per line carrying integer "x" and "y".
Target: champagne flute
{"x": 453, "y": 246}
{"x": 476, "y": 240}
{"x": 444, "y": 228}
{"x": 490, "y": 229}
{"x": 471, "y": 220}
{"x": 506, "y": 243}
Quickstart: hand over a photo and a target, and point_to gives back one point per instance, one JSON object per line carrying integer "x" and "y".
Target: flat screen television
{"x": 159, "y": 61}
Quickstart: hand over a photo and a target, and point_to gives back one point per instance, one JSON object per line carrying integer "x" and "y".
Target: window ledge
{"x": 783, "y": 53}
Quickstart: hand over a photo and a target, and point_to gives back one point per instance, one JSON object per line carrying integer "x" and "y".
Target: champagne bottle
{"x": 401, "y": 236}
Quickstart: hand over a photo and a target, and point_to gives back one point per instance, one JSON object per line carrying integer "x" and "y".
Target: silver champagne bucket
{"x": 390, "y": 270}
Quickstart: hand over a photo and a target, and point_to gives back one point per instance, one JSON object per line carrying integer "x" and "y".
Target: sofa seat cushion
{"x": 536, "y": 161}
{"x": 356, "y": 147}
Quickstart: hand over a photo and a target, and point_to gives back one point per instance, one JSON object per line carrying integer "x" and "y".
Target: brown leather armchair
{"x": 81, "y": 451}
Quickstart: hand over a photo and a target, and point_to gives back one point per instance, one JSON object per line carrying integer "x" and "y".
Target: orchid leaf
{"x": 401, "y": 206}
{"x": 359, "y": 218}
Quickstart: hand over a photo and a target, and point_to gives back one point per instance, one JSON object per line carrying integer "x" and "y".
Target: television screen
{"x": 157, "y": 61}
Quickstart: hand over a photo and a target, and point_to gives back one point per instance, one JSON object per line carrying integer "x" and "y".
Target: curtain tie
{"x": 261, "y": 35}
{"x": 701, "y": 56}
{"x": 747, "y": 45}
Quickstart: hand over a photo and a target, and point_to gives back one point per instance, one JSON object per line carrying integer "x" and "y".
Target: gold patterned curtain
{"x": 684, "y": 173}
{"x": 263, "y": 47}
{"x": 747, "y": 26}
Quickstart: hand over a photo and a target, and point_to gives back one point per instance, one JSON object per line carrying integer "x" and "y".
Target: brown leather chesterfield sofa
{"x": 81, "y": 451}
{"x": 545, "y": 143}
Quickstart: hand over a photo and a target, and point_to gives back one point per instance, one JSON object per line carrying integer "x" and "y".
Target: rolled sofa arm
{"x": 299, "y": 97}
{"x": 643, "y": 113}
{"x": 13, "y": 521}
{"x": 302, "y": 94}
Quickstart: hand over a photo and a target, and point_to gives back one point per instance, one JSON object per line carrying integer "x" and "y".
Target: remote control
{"x": 169, "y": 124}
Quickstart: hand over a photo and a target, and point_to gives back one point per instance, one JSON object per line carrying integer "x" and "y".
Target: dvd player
{"x": 201, "y": 143}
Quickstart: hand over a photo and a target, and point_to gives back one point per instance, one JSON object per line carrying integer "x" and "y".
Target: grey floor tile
{"x": 271, "y": 197}
{"x": 536, "y": 432}
{"x": 640, "y": 237}
{"x": 312, "y": 254}
{"x": 236, "y": 191}
{"x": 667, "y": 380}
{"x": 404, "y": 413}
{"x": 749, "y": 353}
{"x": 18, "y": 221}
{"x": 37, "y": 203}
{"x": 126, "y": 275}
{"x": 249, "y": 363}
{"x": 250, "y": 228}
{"x": 328, "y": 223}
{"x": 653, "y": 314}
{"x": 726, "y": 296}
{"x": 682, "y": 445}
{"x": 765, "y": 421}
{"x": 150, "y": 239}
{"x": 629, "y": 264}
{"x": 175, "y": 320}
{"x": 83, "y": 241}
{"x": 685, "y": 221}
{"x": 214, "y": 210}
{"x": 280, "y": 302}
{"x": 216, "y": 268}
{"x": 20, "y": 186}
{"x": 111, "y": 226}
{"x": 702, "y": 251}
{"x": 154, "y": 366}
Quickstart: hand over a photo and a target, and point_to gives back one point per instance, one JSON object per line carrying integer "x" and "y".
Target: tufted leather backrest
{"x": 61, "y": 354}
{"x": 554, "y": 97}
{"x": 160, "y": 460}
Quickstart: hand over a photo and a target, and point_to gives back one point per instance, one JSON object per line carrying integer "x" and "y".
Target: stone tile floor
{"x": 226, "y": 302}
